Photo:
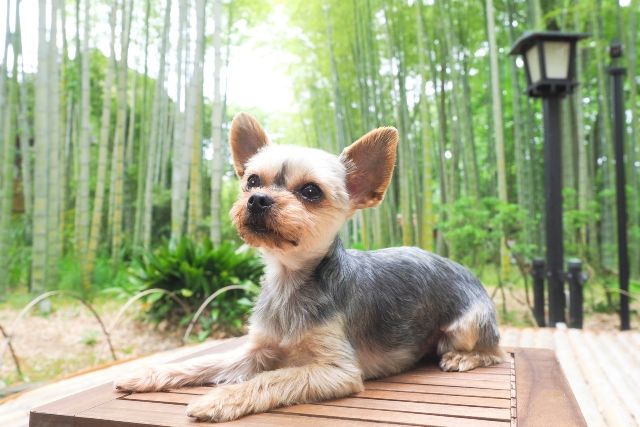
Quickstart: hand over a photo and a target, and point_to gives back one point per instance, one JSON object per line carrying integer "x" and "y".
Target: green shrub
{"x": 193, "y": 271}
{"x": 18, "y": 256}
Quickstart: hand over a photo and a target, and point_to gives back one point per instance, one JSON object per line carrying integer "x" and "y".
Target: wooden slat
{"x": 467, "y": 376}
{"x": 413, "y": 378}
{"x": 377, "y": 400}
{"x": 134, "y": 413}
{"x": 437, "y": 389}
{"x": 544, "y": 397}
{"x": 162, "y": 397}
{"x": 363, "y": 403}
{"x": 486, "y": 402}
{"x": 388, "y": 416}
{"x": 63, "y": 411}
{"x": 498, "y": 414}
{"x": 389, "y": 391}
{"x": 192, "y": 390}
{"x": 481, "y": 370}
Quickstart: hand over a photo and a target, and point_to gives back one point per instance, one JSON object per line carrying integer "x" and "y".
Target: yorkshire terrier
{"x": 329, "y": 318}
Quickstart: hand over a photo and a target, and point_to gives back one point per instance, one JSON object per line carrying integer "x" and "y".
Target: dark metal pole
{"x": 553, "y": 199}
{"x": 576, "y": 280}
{"x": 617, "y": 77}
{"x": 537, "y": 272}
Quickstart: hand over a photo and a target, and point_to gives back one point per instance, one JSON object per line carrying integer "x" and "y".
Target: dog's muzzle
{"x": 258, "y": 207}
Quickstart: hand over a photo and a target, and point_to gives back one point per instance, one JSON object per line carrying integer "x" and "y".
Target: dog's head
{"x": 295, "y": 198}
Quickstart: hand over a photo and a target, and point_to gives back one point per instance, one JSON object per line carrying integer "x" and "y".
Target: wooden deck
{"x": 528, "y": 389}
{"x": 603, "y": 369}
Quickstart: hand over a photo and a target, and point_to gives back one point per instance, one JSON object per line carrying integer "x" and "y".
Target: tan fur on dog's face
{"x": 293, "y": 222}
{"x": 356, "y": 179}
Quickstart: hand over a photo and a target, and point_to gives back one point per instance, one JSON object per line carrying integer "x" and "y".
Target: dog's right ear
{"x": 246, "y": 137}
{"x": 369, "y": 162}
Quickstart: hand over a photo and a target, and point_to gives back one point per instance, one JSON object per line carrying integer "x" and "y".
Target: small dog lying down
{"x": 328, "y": 318}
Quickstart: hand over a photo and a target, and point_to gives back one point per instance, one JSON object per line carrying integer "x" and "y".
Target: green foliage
{"x": 194, "y": 271}
{"x": 104, "y": 275}
{"x": 469, "y": 231}
{"x": 19, "y": 255}
{"x": 90, "y": 339}
{"x": 473, "y": 229}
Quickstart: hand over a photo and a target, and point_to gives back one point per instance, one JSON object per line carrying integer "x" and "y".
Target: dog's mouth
{"x": 261, "y": 229}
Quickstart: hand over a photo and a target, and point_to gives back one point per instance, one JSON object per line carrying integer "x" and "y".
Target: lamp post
{"x": 617, "y": 79}
{"x": 549, "y": 60}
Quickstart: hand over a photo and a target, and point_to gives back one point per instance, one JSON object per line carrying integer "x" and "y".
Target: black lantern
{"x": 549, "y": 61}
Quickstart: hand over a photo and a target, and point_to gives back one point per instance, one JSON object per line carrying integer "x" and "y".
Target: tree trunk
{"x": 394, "y": 51}
{"x": 24, "y": 129}
{"x": 217, "y": 163}
{"x": 498, "y": 129}
{"x": 39, "y": 272}
{"x": 607, "y": 169}
{"x": 82, "y": 204}
{"x": 195, "y": 179}
{"x": 633, "y": 153}
{"x": 152, "y": 142}
{"x": 54, "y": 243}
{"x": 427, "y": 217}
{"x": 103, "y": 156}
{"x": 520, "y": 146}
{"x": 143, "y": 140}
{"x": 118, "y": 147}
{"x": 3, "y": 77}
{"x": 178, "y": 172}
{"x": 8, "y": 157}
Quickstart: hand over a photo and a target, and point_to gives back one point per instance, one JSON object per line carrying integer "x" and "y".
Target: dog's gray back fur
{"x": 390, "y": 298}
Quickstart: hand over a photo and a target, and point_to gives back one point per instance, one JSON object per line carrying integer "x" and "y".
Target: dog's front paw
{"x": 223, "y": 403}
{"x": 465, "y": 361}
{"x": 144, "y": 380}
{"x": 451, "y": 361}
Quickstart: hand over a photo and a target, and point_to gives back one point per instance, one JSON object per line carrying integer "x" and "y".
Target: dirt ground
{"x": 69, "y": 339}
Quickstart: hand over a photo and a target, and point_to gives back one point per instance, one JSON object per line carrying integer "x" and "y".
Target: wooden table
{"x": 528, "y": 389}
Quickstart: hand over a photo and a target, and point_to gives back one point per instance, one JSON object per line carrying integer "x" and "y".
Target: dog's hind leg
{"x": 232, "y": 367}
{"x": 471, "y": 341}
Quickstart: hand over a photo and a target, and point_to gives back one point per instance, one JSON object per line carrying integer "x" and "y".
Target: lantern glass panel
{"x": 533, "y": 63}
{"x": 557, "y": 59}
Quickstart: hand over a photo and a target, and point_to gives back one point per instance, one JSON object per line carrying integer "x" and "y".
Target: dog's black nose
{"x": 258, "y": 203}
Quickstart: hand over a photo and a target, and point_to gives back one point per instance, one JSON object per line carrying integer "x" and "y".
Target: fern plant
{"x": 194, "y": 271}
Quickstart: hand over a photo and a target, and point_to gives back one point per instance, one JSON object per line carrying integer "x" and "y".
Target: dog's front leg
{"x": 321, "y": 366}
{"x": 231, "y": 367}
{"x": 273, "y": 389}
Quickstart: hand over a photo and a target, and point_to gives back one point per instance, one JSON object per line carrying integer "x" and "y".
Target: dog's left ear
{"x": 370, "y": 161}
{"x": 246, "y": 137}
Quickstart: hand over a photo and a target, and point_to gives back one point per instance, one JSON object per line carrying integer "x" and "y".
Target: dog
{"x": 328, "y": 318}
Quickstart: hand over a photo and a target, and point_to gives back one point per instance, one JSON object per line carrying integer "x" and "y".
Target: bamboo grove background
{"x": 103, "y": 158}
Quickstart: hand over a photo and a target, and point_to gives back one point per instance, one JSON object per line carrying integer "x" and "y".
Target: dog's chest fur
{"x": 292, "y": 304}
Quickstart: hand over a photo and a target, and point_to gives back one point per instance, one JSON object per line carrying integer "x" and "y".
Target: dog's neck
{"x": 294, "y": 300}
{"x": 289, "y": 271}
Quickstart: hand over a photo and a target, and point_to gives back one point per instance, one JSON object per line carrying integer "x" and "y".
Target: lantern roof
{"x": 528, "y": 39}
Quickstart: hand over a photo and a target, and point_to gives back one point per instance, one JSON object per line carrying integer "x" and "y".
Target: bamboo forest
{"x": 115, "y": 172}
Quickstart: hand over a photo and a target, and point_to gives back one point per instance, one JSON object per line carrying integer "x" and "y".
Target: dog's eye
{"x": 311, "y": 192}
{"x": 253, "y": 181}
